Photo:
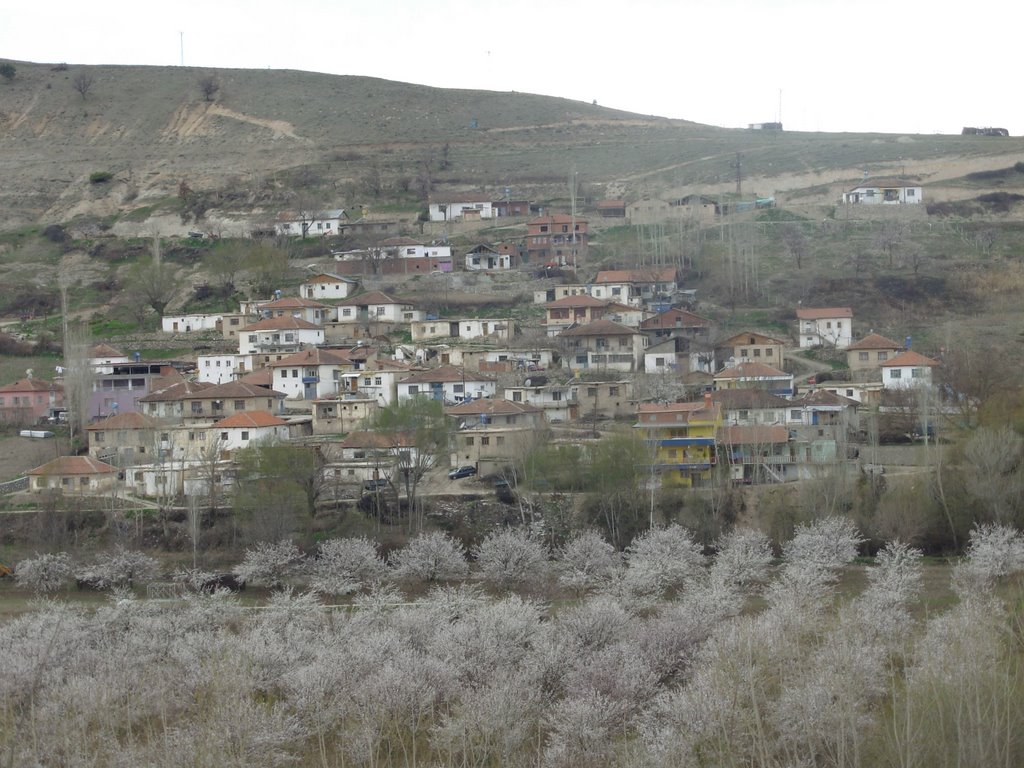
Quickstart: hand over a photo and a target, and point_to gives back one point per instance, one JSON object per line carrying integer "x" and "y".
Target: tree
{"x": 431, "y": 556}
{"x": 119, "y": 568}
{"x": 994, "y": 471}
{"x": 795, "y": 243}
{"x": 418, "y": 428}
{"x": 662, "y": 558}
{"x": 225, "y": 261}
{"x": 586, "y": 561}
{"x": 511, "y": 557}
{"x": 78, "y": 372}
{"x": 152, "y": 282}
{"x": 82, "y": 82}
{"x": 269, "y": 564}
{"x": 344, "y": 566}
{"x": 208, "y": 86}
{"x": 8, "y": 71}
{"x": 277, "y": 485}
{"x": 44, "y": 573}
{"x": 268, "y": 267}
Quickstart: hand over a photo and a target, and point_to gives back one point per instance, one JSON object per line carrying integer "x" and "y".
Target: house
{"x": 572, "y": 310}
{"x": 167, "y": 401}
{"x": 884, "y": 192}
{"x": 752, "y": 346}
{"x": 407, "y": 248}
{"x": 292, "y": 306}
{"x": 492, "y": 329}
{"x": 366, "y": 455}
{"x": 233, "y": 322}
{"x": 327, "y": 285}
{"x": 682, "y": 438}
{"x": 103, "y": 356}
{"x": 668, "y": 356}
{"x": 73, "y": 474}
{"x": 647, "y": 211}
{"x": 557, "y": 292}
{"x": 334, "y": 416}
{"x": 120, "y": 386}
{"x": 379, "y": 384}
{"x": 246, "y": 428}
{"x": 755, "y": 376}
{"x": 230, "y": 398}
{"x": 123, "y": 439}
{"x": 825, "y": 326}
{"x": 603, "y": 399}
{"x": 308, "y": 223}
{"x": 511, "y": 207}
{"x": 611, "y": 209}
{"x": 447, "y": 384}
{"x": 466, "y": 207}
{"x": 30, "y": 400}
{"x": 907, "y": 369}
{"x": 676, "y": 323}
{"x": 824, "y": 408}
{"x": 751, "y": 407}
{"x": 522, "y": 359}
{"x": 559, "y": 402}
{"x": 756, "y": 453}
{"x": 626, "y": 314}
{"x": 376, "y": 306}
{"x": 481, "y": 257}
{"x": 869, "y": 353}
{"x": 176, "y": 478}
{"x": 279, "y": 334}
{"x": 492, "y": 431}
{"x": 311, "y": 374}
{"x": 604, "y": 345}
{"x": 217, "y": 369}
{"x": 556, "y": 239}
{"x": 190, "y": 323}
{"x": 636, "y": 286}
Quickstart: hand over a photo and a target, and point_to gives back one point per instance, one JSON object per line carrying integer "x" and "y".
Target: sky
{"x": 887, "y": 66}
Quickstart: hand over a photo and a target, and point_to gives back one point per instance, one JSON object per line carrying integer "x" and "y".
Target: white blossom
{"x": 44, "y": 573}
{"x": 343, "y": 566}
{"x": 269, "y": 564}
{"x": 431, "y": 556}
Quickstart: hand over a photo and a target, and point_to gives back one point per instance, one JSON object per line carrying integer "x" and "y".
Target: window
{"x": 469, "y": 441}
{"x": 828, "y": 324}
{"x": 794, "y": 414}
{"x": 895, "y": 373}
{"x": 380, "y": 311}
{"x": 883, "y": 355}
{"x": 917, "y": 373}
{"x": 239, "y": 405}
{"x": 757, "y": 352}
{"x": 500, "y": 440}
{"x": 224, "y": 436}
{"x": 197, "y": 407}
{"x": 744, "y": 352}
{"x": 252, "y": 338}
{"x": 910, "y": 192}
{"x": 458, "y": 388}
{"x": 556, "y": 395}
{"x": 849, "y": 393}
{"x": 485, "y": 441}
{"x": 378, "y": 380}
{"x": 100, "y": 436}
{"x": 517, "y": 397}
{"x": 769, "y": 352}
{"x": 613, "y": 391}
{"x": 414, "y": 389}
{"x": 863, "y": 356}
{"x": 245, "y": 434}
{"x": 591, "y": 391}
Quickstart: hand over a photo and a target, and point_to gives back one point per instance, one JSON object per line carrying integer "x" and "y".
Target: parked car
{"x": 375, "y": 485}
{"x": 458, "y": 473}
{"x": 503, "y": 490}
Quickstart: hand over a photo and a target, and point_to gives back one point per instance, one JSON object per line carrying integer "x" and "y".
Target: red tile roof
{"x": 285, "y": 323}
{"x": 602, "y": 327}
{"x": 74, "y": 465}
{"x": 250, "y": 420}
{"x": 651, "y": 275}
{"x": 124, "y": 421}
{"x": 292, "y": 302}
{"x": 909, "y": 358}
{"x": 582, "y": 300}
{"x": 314, "y": 356}
{"x": 491, "y": 406}
{"x": 875, "y": 341}
{"x": 445, "y": 373}
{"x": 751, "y": 371}
{"x": 371, "y": 297}
{"x": 31, "y": 385}
{"x": 823, "y": 313}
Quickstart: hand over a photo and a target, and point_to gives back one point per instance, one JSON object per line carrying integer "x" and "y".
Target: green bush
{"x": 100, "y": 177}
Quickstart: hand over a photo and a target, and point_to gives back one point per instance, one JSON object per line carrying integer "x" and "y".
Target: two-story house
{"x": 869, "y": 353}
{"x": 636, "y": 286}
{"x": 295, "y": 306}
{"x": 675, "y": 323}
{"x": 222, "y": 400}
{"x": 755, "y": 376}
{"x": 750, "y": 407}
{"x": 447, "y": 384}
{"x": 556, "y": 239}
{"x": 124, "y": 439}
{"x": 378, "y": 307}
{"x": 908, "y": 369}
{"x": 282, "y": 335}
{"x": 568, "y": 311}
{"x": 751, "y": 346}
{"x": 558, "y": 401}
{"x": 493, "y": 431}
{"x": 327, "y": 285}
{"x": 825, "y": 327}
{"x": 484, "y": 257}
{"x": 29, "y": 400}
{"x": 604, "y": 345}
{"x": 309, "y": 223}
{"x": 310, "y": 374}
{"x": 244, "y": 429}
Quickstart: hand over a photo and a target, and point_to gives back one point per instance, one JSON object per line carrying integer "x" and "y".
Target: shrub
{"x": 8, "y": 71}
{"x": 55, "y": 233}
{"x": 44, "y": 573}
{"x": 100, "y": 177}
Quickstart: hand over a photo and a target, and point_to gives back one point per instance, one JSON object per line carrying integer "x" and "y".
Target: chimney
{"x": 707, "y": 400}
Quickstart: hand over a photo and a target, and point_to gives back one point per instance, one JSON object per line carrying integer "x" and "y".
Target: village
{"x": 627, "y": 348}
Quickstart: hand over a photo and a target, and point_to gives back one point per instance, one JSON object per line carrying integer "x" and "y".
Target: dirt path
{"x": 812, "y": 366}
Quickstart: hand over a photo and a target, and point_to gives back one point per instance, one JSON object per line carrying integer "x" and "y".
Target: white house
{"x": 558, "y": 401}
{"x": 407, "y": 248}
{"x": 176, "y": 478}
{"x": 376, "y": 306}
{"x": 482, "y": 257}
{"x": 634, "y": 286}
{"x": 825, "y": 326}
{"x": 908, "y": 369}
{"x": 522, "y": 359}
{"x": 381, "y": 386}
{"x": 290, "y": 306}
{"x": 307, "y": 224}
{"x": 447, "y": 383}
{"x": 103, "y": 358}
{"x": 495, "y": 329}
{"x": 217, "y": 369}
{"x": 279, "y": 334}
{"x": 604, "y": 345}
{"x": 311, "y": 374}
{"x": 460, "y": 207}
{"x": 884, "y": 192}
{"x": 189, "y": 323}
{"x": 326, "y": 285}
{"x": 245, "y": 429}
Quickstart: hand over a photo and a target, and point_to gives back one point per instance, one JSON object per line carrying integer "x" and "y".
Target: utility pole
{"x": 739, "y": 174}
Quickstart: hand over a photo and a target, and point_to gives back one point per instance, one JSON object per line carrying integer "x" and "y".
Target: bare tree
{"x": 994, "y": 471}
{"x": 795, "y": 243}
{"x": 208, "y": 86}
{"x": 152, "y": 282}
{"x": 82, "y": 82}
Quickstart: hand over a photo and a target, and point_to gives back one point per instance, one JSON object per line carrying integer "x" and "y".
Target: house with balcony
{"x": 215, "y": 402}
{"x": 557, "y": 239}
{"x": 367, "y": 455}
{"x": 825, "y": 327}
{"x": 30, "y": 400}
{"x": 822, "y": 408}
{"x": 559, "y": 402}
{"x": 311, "y": 374}
{"x": 447, "y": 384}
{"x": 604, "y": 345}
{"x": 281, "y": 335}
{"x": 756, "y": 453}
{"x": 637, "y": 287}
{"x": 294, "y": 306}
{"x": 751, "y": 407}
{"x": 166, "y": 402}
{"x": 677, "y": 323}
{"x": 491, "y": 432}
{"x": 755, "y": 376}
{"x": 682, "y": 440}
{"x": 568, "y": 311}
{"x": 327, "y": 285}
{"x": 868, "y": 354}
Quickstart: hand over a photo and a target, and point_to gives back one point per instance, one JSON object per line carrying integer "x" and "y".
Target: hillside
{"x": 267, "y": 137}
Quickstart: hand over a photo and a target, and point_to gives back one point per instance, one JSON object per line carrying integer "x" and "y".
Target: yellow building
{"x": 683, "y": 437}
